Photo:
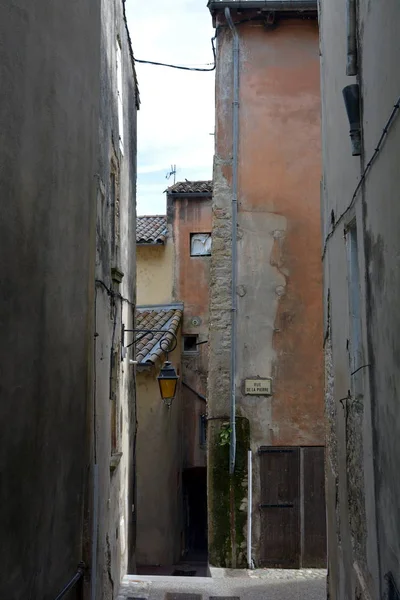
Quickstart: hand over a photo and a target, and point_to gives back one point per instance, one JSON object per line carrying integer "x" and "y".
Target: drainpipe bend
{"x": 235, "y": 151}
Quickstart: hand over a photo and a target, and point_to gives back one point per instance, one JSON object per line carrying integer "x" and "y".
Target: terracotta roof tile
{"x": 191, "y": 187}
{"x": 151, "y": 230}
{"x": 148, "y": 350}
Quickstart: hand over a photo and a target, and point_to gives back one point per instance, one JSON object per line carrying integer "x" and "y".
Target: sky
{"x": 176, "y": 116}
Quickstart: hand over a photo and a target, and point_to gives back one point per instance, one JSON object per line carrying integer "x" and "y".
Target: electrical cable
{"x": 114, "y": 294}
{"x": 160, "y": 64}
{"x": 385, "y": 131}
{"x": 182, "y": 67}
{"x": 213, "y": 67}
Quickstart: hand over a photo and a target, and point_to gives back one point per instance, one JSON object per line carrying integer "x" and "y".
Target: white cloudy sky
{"x": 176, "y": 116}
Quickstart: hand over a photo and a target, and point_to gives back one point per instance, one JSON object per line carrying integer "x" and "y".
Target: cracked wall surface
{"x": 279, "y": 291}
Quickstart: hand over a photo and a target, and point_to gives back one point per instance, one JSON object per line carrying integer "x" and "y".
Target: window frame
{"x": 192, "y": 234}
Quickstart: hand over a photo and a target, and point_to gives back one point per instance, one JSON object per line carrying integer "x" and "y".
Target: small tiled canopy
{"x": 148, "y": 350}
{"x": 151, "y": 230}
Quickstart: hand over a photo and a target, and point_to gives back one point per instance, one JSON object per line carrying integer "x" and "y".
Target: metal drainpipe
{"x": 249, "y": 507}
{"x": 235, "y": 144}
{"x": 351, "y": 17}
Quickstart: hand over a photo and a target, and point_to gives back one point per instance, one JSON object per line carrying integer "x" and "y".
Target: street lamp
{"x": 167, "y": 380}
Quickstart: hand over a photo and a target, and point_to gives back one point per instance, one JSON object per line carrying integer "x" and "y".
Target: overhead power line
{"x": 182, "y": 67}
{"x": 160, "y": 64}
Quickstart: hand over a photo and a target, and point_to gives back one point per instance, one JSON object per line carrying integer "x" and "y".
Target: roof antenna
{"x": 171, "y": 172}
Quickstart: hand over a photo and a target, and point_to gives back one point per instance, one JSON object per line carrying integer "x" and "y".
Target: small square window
{"x": 190, "y": 343}
{"x": 200, "y": 244}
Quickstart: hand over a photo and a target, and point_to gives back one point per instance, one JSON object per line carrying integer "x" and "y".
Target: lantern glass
{"x": 167, "y": 381}
{"x": 167, "y": 388}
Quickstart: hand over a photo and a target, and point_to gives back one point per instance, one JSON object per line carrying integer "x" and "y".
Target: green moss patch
{"x": 227, "y": 494}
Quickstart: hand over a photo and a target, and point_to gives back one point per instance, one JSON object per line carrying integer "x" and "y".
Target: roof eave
{"x": 300, "y": 6}
{"x": 174, "y": 305}
{"x": 191, "y": 194}
{"x": 150, "y": 243}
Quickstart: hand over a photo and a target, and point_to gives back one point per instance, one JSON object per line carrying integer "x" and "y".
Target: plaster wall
{"x": 49, "y": 122}
{"x": 116, "y": 249}
{"x": 362, "y": 550}
{"x": 155, "y": 267}
{"x": 279, "y": 289}
{"x": 58, "y": 117}
{"x": 159, "y": 471}
{"x": 194, "y": 451}
{"x": 192, "y": 214}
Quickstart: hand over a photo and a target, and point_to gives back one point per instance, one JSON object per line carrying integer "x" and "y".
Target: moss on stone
{"x": 227, "y": 531}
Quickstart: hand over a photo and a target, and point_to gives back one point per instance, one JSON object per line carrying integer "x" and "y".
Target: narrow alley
{"x": 199, "y": 316}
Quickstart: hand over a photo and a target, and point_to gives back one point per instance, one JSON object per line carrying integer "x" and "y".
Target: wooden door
{"x": 314, "y": 522}
{"x": 280, "y": 507}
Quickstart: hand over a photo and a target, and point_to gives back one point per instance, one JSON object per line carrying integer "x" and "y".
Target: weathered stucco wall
{"x": 159, "y": 470}
{"x": 155, "y": 267}
{"x": 194, "y": 448}
{"x": 192, "y": 214}
{"x": 116, "y": 249}
{"x": 58, "y": 115}
{"x": 49, "y": 123}
{"x": 363, "y": 450}
{"x": 279, "y": 270}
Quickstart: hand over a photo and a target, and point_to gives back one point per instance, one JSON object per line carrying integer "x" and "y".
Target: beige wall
{"x": 159, "y": 473}
{"x": 155, "y": 273}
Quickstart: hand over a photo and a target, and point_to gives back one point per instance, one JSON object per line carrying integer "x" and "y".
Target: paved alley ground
{"x": 224, "y": 584}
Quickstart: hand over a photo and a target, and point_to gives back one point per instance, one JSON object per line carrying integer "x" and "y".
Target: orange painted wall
{"x": 191, "y": 286}
{"x": 280, "y": 313}
{"x": 192, "y": 274}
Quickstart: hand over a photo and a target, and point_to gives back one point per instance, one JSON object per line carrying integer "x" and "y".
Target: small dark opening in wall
{"x": 190, "y": 343}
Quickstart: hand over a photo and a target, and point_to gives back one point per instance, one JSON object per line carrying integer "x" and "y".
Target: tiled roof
{"x": 148, "y": 350}
{"x": 191, "y": 187}
{"x": 151, "y": 230}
